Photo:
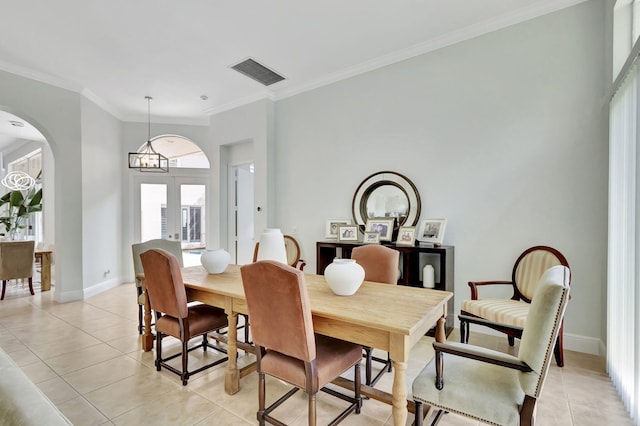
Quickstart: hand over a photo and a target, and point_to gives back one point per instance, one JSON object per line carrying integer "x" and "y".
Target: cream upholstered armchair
{"x": 509, "y": 315}
{"x": 173, "y": 247}
{"x": 490, "y": 386}
{"x": 16, "y": 261}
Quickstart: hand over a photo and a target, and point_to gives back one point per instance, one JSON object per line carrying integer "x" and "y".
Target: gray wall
{"x": 505, "y": 135}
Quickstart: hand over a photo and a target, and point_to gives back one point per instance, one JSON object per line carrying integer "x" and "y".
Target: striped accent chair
{"x": 509, "y": 315}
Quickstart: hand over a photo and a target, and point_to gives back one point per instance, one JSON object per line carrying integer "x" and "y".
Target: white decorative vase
{"x": 272, "y": 246}
{"x": 344, "y": 276}
{"x": 428, "y": 280}
{"x": 215, "y": 261}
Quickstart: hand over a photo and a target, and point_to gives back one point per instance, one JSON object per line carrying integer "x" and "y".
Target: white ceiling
{"x": 117, "y": 51}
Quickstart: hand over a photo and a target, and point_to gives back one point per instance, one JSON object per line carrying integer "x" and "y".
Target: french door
{"x": 171, "y": 208}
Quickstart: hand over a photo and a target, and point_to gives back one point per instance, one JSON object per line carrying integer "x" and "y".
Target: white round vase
{"x": 215, "y": 261}
{"x": 344, "y": 276}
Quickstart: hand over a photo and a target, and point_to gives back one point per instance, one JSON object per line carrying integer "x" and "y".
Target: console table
{"x": 326, "y": 251}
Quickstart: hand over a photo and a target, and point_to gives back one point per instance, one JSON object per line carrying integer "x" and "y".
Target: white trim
{"x": 103, "y": 286}
{"x": 584, "y": 344}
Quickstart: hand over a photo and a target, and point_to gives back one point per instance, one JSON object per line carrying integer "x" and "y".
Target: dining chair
{"x": 174, "y": 317}
{"x": 490, "y": 386}
{"x": 380, "y": 264}
{"x": 16, "y": 262}
{"x": 287, "y": 347}
{"x": 172, "y": 246}
{"x": 509, "y": 315}
{"x": 292, "y": 249}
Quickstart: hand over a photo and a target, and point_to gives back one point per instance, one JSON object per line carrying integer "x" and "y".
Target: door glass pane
{"x": 153, "y": 211}
{"x": 192, "y": 223}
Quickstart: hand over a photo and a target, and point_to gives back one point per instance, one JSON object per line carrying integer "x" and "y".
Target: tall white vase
{"x": 344, "y": 276}
{"x": 215, "y": 261}
{"x": 272, "y": 246}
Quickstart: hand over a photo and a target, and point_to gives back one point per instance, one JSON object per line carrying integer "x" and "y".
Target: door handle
{"x": 176, "y": 236}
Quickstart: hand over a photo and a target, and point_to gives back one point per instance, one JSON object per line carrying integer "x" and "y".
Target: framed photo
{"x": 382, "y": 225}
{"x": 371, "y": 237}
{"x": 432, "y": 231}
{"x": 406, "y": 236}
{"x": 347, "y": 232}
{"x": 331, "y": 230}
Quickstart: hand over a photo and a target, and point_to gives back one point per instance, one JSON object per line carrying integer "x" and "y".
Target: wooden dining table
{"x": 387, "y": 317}
{"x": 44, "y": 256}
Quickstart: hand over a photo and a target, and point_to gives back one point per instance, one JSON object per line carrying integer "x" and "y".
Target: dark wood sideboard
{"x": 440, "y": 257}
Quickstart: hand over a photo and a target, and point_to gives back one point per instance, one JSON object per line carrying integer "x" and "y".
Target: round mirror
{"x": 386, "y": 195}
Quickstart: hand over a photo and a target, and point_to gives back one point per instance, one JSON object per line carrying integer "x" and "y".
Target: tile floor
{"x": 86, "y": 357}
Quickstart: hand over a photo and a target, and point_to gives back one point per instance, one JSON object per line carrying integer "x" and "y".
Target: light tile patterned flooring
{"x": 86, "y": 357}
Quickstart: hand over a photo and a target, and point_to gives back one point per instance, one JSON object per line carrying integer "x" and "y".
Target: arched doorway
{"x": 173, "y": 206}
{"x": 23, "y": 148}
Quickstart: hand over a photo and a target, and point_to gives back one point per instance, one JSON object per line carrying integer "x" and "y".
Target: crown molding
{"x": 39, "y": 76}
{"x": 102, "y": 104}
{"x": 451, "y": 38}
{"x": 240, "y": 102}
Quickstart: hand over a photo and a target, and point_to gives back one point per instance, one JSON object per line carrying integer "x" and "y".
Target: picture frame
{"x": 371, "y": 237}
{"x": 347, "y": 232}
{"x": 432, "y": 231}
{"x": 331, "y": 228}
{"x": 406, "y": 236}
{"x": 382, "y": 225}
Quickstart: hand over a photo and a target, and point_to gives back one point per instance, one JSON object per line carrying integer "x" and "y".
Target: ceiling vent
{"x": 258, "y": 72}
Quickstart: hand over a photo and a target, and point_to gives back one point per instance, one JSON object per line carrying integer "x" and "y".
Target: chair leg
{"x": 140, "y": 326}
{"x": 418, "y": 419}
{"x": 185, "y": 362}
{"x": 4, "y": 287}
{"x": 356, "y": 388}
{"x": 312, "y": 409}
{"x": 158, "y": 350}
{"x": 261, "y": 398}
{"x": 558, "y": 350}
{"x": 511, "y": 340}
{"x": 31, "y": 286}
{"x": 368, "y": 365}
{"x": 205, "y": 342}
{"x": 464, "y": 331}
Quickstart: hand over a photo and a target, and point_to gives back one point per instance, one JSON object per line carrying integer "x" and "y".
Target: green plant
{"x": 19, "y": 205}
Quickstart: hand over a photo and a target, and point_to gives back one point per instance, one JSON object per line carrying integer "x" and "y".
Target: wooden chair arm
{"x": 482, "y": 321}
{"x": 301, "y": 264}
{"x": 476, "y": 353}
{"x": 475, "y": 284}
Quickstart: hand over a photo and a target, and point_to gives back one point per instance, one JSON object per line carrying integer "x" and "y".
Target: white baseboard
{"x": 572, "y": 342}
{"x": 100, "y": 287}
{"x": 584, "y": 344}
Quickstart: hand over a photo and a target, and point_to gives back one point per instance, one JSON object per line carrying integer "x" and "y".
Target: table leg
{"x": 232, "y": 375}
{"x": 147, "y": 337}
{"x": 399, "y": 392}
{"x": 441, "y": 333}
{"x": 45, "y": 271}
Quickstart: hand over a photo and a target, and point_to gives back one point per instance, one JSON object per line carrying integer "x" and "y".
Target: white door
{"x": 172, "y": 208}
{"x": 241, "y": 217}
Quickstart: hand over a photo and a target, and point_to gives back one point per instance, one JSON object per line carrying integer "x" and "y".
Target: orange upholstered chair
{"x": 16, "y": 261}
{"x": 380, "y": 264}
{"x": 174, "y": 317}
{"x": 509, "y": 315}
{"x": 286, "y": 346}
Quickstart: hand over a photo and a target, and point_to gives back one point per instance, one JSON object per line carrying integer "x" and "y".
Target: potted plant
{"x": 16, "y": 206}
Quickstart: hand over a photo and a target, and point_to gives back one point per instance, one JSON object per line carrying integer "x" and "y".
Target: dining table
{"x": 44, "y": 256}
{"x": 387, "y": 317}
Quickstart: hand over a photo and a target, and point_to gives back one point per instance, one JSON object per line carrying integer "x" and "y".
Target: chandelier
{"x": 147, "y": 159}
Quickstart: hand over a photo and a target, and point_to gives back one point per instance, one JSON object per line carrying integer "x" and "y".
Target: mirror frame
{"x": 376, "y": 180}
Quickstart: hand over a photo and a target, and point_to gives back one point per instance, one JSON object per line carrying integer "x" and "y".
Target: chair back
{"x": 279, "y": 309}
{"x": 542, "y": 326}
{"x": 292, "y": 248}
{"x": 530, "y": 266}
{"x": 16, "y": 259}
{"x": 380, "y": 263}
{"x": 164, "y": 283}
{"x": 173, "y": 247}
